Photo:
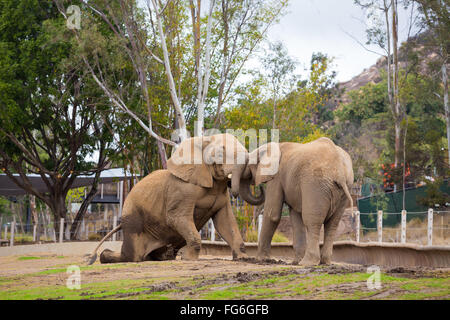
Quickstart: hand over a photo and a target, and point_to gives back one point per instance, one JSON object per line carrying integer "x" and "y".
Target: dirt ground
{"x": 46, "y": 277}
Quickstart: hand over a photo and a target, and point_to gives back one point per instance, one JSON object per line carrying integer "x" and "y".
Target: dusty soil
{"x": 45, "y": 277}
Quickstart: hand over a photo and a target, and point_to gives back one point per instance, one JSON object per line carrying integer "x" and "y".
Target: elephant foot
{"x": 191, "y": 253}
{"x": 263, "y": 257}
{"x": 308, "y": 262}
{"x": 325, "y": 260}
{"x": 108, "y": 256}
{"x": 240, "y": 256}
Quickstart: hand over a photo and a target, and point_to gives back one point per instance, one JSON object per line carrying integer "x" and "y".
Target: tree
{"x": 279, "y": 67}
{"x": 435, "y": 16}
{"x": 384, "y": 33}
{"x": 47, "y": 123}
{"x": 297, "y": 108}
{"x": 242, "y": 26}
{"x": 158, "y": 38}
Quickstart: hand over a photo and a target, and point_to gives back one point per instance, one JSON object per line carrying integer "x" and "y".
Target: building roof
{"x": 9, "y": 188}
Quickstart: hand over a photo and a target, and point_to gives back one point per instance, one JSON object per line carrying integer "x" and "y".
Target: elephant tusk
{"x": 229, "y": 176}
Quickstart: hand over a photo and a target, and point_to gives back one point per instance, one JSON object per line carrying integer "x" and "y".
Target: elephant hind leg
{"x": 330, "y": 228}
{"x": 315, "y": 207}
{"x": 108, "y": 256}
{"x": 135, "y": 247}
{"x": 298, "y": 235}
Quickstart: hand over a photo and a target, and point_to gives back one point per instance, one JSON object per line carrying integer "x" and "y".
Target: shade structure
{"x": 9, "y": 188}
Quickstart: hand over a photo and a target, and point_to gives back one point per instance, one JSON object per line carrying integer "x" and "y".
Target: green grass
{"x": 315, "y": 285}
{"x": 29, "y": 258}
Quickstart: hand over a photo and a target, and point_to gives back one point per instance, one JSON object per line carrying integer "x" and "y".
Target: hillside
{"x": 408, "y": 50}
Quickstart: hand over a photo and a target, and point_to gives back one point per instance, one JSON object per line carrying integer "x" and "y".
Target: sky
{"x": 322, "y": 26}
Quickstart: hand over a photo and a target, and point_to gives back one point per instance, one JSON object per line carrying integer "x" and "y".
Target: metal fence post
{"x": 260, "y": 222}
{"x": 358, "y": 225}
{"x": 13, "y": 229}
{"x": 380, "y": 226}
{"x": 34, "y": 232}
{"x": 114, "y": 237}
{"x": 61, "y": 230}
{"x": 403, "y": 236}
{"x": 430, "y": 227}
{"x": 213, "y": 231}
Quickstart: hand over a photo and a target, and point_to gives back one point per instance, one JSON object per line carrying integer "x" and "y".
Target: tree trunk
{"x": 396, "y": 102}
{"x": 447, "y": 112}
{"x": 35, "y": 218}
{"x": 274, "y": 113}
{"x": 59, "y": 211}
{"x": 162, "y": 154}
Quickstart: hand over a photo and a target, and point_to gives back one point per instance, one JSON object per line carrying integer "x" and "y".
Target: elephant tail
{"x": 347, "y": 193}
{"x": 93, "y": 257}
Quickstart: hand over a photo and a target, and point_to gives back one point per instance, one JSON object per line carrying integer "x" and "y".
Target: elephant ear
{"x": 187, "y": 163}
{"x": 268, "y": 161}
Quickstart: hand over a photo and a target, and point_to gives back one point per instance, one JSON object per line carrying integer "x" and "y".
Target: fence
{"x": 426, "y": 227}
{"x": 14, "y": 232}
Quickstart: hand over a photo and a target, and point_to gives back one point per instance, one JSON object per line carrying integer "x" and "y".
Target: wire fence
{"x": 89, "y": 229}
{"x": 430, "y": 227}
{"x": 424, "y": 228}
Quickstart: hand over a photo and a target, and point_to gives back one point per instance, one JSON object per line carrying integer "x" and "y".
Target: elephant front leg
{"x": 183, "y": 223}
{"x": 227, "y": 227}
{"x": 271, "y": 219}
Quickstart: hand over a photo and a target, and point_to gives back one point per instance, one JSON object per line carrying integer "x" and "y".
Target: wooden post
{"x": 213, "y": 231}
{"x": 380, "y": 226}
{"x": 114, "y": 226}
{"x": 403, "y": 236}
{"x": 358, "y": 225}
{"x": 34, "y": 233}
{"x": 83, "y": 227}
{"x": 61, "y": 230}
{"x": 13, "y": 228}
{"x": 120, "y": 198}
{"x": 101, "y": 191}
{"x": 430, "y": 227}
{"x": 260, "y": 222}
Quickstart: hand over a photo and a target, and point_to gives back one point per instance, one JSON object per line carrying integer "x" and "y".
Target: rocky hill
{"x": 416, "y": 45}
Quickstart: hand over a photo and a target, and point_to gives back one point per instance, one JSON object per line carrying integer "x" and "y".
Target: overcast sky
{"x": 321, "y": 26}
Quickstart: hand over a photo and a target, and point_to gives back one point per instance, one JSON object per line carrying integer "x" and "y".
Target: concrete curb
{"x": 61, "y": 249}
{"x": 382, "y": 254}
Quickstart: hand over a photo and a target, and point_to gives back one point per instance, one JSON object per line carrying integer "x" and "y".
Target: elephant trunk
{"x": 236, "y": 178}
{"x": 246, "y": 193}
{"x": 236, "y": 175}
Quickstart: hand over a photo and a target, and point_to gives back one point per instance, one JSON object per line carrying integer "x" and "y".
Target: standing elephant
{"x": 166, "y": 209}
{"x": 313, "y": 179}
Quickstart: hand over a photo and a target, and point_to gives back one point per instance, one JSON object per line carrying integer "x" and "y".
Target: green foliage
{"x": 365, "y": 129}
{"x": 434, "y": 196}
{"x": 297, "y": 110}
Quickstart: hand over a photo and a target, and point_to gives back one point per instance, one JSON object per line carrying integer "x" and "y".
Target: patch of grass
{"x": 95, "y": 290}
{"x": 29, "y": 258}
{"x": 425, "y": 295}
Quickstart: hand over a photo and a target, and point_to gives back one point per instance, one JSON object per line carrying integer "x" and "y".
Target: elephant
{"x": 313, "y": 179}
{"x": 165, "y": 210}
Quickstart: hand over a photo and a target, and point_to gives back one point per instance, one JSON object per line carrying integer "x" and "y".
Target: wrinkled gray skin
{"x": 313, "y": 179}
{"x": 166, "y": 209}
